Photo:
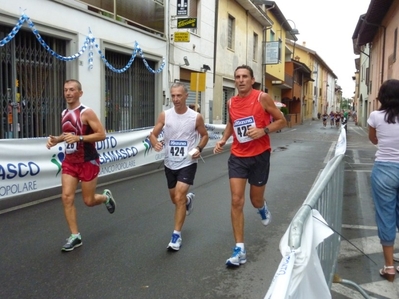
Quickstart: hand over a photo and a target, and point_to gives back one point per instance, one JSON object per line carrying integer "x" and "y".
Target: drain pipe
{"x": 215, "y": 41}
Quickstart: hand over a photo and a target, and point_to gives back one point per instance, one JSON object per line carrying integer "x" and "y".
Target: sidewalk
{"x": 361, "y": 254}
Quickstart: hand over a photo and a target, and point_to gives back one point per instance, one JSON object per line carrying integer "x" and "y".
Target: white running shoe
{"x": 265, "y": 215}
{"x": 189, "y": 206}
{"x": 175, "y": 242}
{"x": 238, "y": 257}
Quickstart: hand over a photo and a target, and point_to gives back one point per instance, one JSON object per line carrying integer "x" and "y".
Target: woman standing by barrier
{"x": 383, "y": 130}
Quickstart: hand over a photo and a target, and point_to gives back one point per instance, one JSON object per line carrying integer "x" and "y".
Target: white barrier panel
{"x": 340, "y": 148}
{"x": 26, "y": 165}
{"x": 282, "y": 278}
{"x": 301, "y": 276}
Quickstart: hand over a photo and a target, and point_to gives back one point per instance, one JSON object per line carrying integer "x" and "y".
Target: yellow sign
{"x": 187, "y": 23}
{"x": 182, "y": 37}
{"x": 197, "y": 82}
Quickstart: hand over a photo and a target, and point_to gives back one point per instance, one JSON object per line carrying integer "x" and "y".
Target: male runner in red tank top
{"x": 249, "y": 123}
{"x": 81, "y": 129}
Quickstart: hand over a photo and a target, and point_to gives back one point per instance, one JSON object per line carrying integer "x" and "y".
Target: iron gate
{"x": 130, "y": 96}
{"x": 31, "y": 86}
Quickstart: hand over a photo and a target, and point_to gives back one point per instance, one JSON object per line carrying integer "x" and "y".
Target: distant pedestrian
{"x": 81, "y": 128}
{"x": 185, "y": 136}
{"x": 337, "y": 118}
{"x": 332, "y": 119}
{"x": 383, "y": 130}
{"x": 354, "y": 117}
{"x": 325, "y": 117}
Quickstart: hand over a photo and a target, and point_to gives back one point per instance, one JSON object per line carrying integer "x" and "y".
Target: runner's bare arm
{"x": 279, "y": 120}
{"x": 158, "y": 146}
{"x": 201, "y": 129}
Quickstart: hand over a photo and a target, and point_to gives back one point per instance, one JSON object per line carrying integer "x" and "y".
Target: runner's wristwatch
{"x": 266, "y": 130}
{"x": 80, "y": 138}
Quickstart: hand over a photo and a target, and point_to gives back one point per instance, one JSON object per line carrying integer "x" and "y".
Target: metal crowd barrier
{"x": 326, "y": 196}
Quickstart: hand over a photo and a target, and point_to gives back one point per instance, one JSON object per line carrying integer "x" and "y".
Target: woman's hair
{"x": 388, "y": 96}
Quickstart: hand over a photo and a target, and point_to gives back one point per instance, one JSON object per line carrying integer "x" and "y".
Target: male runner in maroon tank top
{"x": 81, "y": 128}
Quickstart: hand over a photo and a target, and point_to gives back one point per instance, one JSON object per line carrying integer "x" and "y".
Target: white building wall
{"x": 362, "y": 106}
{"x": 70, "y": 20}
{"x": 331, "y": 93}
{"x": 199, "y": 50}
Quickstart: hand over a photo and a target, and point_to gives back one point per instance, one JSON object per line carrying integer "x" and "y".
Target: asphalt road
{"x": 124, "y": 254}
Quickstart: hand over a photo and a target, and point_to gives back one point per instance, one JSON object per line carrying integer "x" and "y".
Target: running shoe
{"x": 72, "y": 243}
{"x": 189, "y": 205}
{"x": 239, "y": 257}
{"x": 265, "y": 215}
{"x": 175, "y": 242}
{"x": 110, "y": 203}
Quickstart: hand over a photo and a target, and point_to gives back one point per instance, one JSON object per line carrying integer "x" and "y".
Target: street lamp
{"x": 293, "y": 32}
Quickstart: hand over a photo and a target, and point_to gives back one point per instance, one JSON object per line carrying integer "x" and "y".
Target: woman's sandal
{"x": 388, "y": 276}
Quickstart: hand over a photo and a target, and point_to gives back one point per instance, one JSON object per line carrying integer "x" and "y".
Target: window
{"x": 193, "y": 13}
{"x": 368, "y": 83}
{"x": 272, "y": 36}
{"x": 227, "y": 94}
{"x": 230, "y": 32}
{"x": 255, "y": 47}
{"x": 129, "y": 101}
{"x": 395, "y": 41}
{"x": 148, "y": 15}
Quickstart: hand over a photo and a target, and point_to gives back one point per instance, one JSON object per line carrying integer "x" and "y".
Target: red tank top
{"x": 77, "y": 152}
{"x": 245, "y": 112}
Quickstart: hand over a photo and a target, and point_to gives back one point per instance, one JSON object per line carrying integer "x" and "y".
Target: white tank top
{"x": 180, "y": 137}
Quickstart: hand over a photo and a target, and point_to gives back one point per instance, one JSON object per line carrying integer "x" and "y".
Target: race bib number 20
{"x": 70, "y": 148}
{"x": 241, "y": 127}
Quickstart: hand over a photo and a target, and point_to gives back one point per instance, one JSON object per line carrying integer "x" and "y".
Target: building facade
{"x": 375, "y": 39}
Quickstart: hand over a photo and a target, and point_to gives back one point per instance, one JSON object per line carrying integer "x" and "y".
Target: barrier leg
{"x": 338, "y": 279}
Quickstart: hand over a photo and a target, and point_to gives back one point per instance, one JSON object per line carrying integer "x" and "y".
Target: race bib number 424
{"x": 178, "y": 150}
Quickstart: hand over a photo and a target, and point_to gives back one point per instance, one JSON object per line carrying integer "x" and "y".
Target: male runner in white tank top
{"x": 184, "y": 137}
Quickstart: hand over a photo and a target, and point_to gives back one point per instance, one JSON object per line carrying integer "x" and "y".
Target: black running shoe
{"x": 110, "y": 203}
{"x": 72, "y": 243}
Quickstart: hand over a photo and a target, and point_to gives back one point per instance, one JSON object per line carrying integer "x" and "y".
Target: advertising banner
{"x": 26, "y": 165}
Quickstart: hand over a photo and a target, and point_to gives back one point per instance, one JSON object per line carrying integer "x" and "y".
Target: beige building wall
{"x": 277, "y": 71}
{"x": 302, "y": 54}
{"x": 319, "y": 95}
{"x": 383, "y": 64}
{"x": 242, "y": 52}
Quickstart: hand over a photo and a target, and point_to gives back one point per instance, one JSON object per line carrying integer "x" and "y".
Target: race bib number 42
{"x": 241, "y": 127}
